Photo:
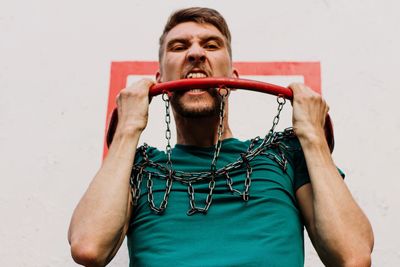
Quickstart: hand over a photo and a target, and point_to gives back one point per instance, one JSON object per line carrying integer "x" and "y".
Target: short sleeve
{"x": 341, "y": 172}
{"x": 301, "y": 175}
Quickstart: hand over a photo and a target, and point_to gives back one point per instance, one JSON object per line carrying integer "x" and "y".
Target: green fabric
{"x": 265, "y": 231}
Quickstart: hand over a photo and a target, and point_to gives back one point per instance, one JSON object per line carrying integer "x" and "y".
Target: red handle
{"x": 205, "y": 83}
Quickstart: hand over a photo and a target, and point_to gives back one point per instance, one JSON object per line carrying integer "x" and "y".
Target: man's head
{"x": 195, "y": 44}
{"x": 200, "y": 15}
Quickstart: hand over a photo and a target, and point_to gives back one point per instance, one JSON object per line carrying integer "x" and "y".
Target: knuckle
{"x": 125, "y": 93}
{"x": 315, "y": 97}
{"x": 295, "y": 84}
{"x": 145, "y": 83}
{"x": 140, "y": 87}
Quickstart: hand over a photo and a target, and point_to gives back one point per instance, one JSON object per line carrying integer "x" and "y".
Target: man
{"x": 294, "y": 184}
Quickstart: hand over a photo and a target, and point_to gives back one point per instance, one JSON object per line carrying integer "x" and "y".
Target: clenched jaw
{"x": 196, "y": 74}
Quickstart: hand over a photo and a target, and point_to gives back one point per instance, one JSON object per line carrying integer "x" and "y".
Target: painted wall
{"x": 54, "y": 74}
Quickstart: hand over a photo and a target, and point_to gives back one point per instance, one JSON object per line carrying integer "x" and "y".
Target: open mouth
{"x": 196, "y": 75}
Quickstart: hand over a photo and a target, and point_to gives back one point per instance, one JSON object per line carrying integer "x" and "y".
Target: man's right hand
{"x": 133, "y": 106}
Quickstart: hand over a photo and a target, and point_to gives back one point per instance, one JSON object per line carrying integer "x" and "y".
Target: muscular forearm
{"x": 342, "y": 233}
{"x": 100, "y": 220}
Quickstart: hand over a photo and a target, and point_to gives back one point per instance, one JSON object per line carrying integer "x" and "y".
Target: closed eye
{"x": 213, "y": 43}
{"x": 211, "y": 46}
{"x": 177, "y": 48}
{"x": 177, "y": 45}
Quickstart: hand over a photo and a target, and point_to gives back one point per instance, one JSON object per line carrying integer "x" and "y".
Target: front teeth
{"x": 195, "y": 75}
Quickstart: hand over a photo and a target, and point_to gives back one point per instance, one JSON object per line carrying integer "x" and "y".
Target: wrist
{"x": 127, "y": 133}
{"x": 312, "y": 138}
{"x": 124, "y": 144}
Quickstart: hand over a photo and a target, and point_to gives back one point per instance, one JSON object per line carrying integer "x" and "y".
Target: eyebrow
{"x": 204, "y": 39}
{"x": 213, "y": 38}
{"x": 177, "y": 40}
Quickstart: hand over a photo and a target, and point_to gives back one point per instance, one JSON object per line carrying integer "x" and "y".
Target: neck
{"x": 200, "y": 131}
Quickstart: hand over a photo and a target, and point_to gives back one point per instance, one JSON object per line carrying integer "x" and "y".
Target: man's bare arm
{"x": 339, "y": 230}
{"x": 100, "y": 220}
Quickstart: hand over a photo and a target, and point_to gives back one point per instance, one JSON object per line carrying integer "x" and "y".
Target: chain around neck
{"x": 272, "y": 139}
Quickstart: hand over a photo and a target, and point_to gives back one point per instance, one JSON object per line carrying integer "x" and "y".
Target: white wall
{"x": 54, "y": 75}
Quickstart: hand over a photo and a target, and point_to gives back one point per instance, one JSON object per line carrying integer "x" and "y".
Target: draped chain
{"x": 166, "y": 171}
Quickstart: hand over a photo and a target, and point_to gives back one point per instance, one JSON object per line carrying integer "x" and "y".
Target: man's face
{"x": 193, "y": 50}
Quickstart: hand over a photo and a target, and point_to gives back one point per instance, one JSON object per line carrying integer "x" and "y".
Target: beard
{"x": 198, "y": 108}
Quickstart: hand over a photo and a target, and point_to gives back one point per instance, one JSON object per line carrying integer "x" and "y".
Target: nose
{"x": 196, "y": 54}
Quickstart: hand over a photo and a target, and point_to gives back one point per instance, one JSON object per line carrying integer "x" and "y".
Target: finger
{"x": 300, "y": 88}
{"x": 142, "y": 83}
{"x": 118, "y": 99}
{"x": 141, "y": 88}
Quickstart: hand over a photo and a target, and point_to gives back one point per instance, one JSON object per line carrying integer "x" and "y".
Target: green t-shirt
{"x": 265, "y": 231}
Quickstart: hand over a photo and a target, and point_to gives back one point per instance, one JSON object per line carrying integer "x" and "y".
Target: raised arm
{"x": 100, "y": 220}
{"x": 338, "y": 228}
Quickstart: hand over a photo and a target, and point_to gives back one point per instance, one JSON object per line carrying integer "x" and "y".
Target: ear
{"x": 158, "y": 76}
{"x": 235, "y": 73}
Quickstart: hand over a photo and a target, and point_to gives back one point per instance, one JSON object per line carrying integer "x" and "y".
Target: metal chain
{"x": 186, "y": 177}
{"x": 247, "y": 181}
{"x": 211, "y": 185}
{"x": 193, "y": 208}
{"x": 220, "y": 127}
{"x": 268, "y": 138}
{"x": 135, "y": 189}
{"x": 281, "y": 102}
{"x": 169, "y": 181}
{"x": 271, "y": 140}
{"x": 150, "y": 196}
{"x": 168, "y": 149}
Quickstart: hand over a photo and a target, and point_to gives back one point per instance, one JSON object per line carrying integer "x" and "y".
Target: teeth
{"x": 195, "y": 75}
{"x": 196, "y": 90}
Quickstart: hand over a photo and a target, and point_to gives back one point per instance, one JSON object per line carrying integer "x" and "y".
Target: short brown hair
{"x": 199, "y": 15}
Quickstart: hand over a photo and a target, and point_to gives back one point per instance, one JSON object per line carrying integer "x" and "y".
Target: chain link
{"x": 150, "y": 195}
{"x": 168, "y": 149}
{"x": 211, "y": 185}
{"x": 247, "y": 181}
{"x": 135, "y": 189}
{"x": 281, "y": 102}
{"x": 220, "y": 127}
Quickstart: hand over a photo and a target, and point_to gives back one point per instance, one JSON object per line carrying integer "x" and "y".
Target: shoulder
{"x": 288, "y": 143}
{"x": 145, "y": 151}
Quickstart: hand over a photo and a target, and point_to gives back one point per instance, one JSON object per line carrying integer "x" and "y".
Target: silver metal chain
{"x": 169, "y": 181}
{"x": 281, "y": 102}
{"x": 150, "y": 196}
{"x": 271, "y": 140}
{"x": 168, "y": 149}
{"x": 135, "y": 188}
{"x": 223, "y": 92}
